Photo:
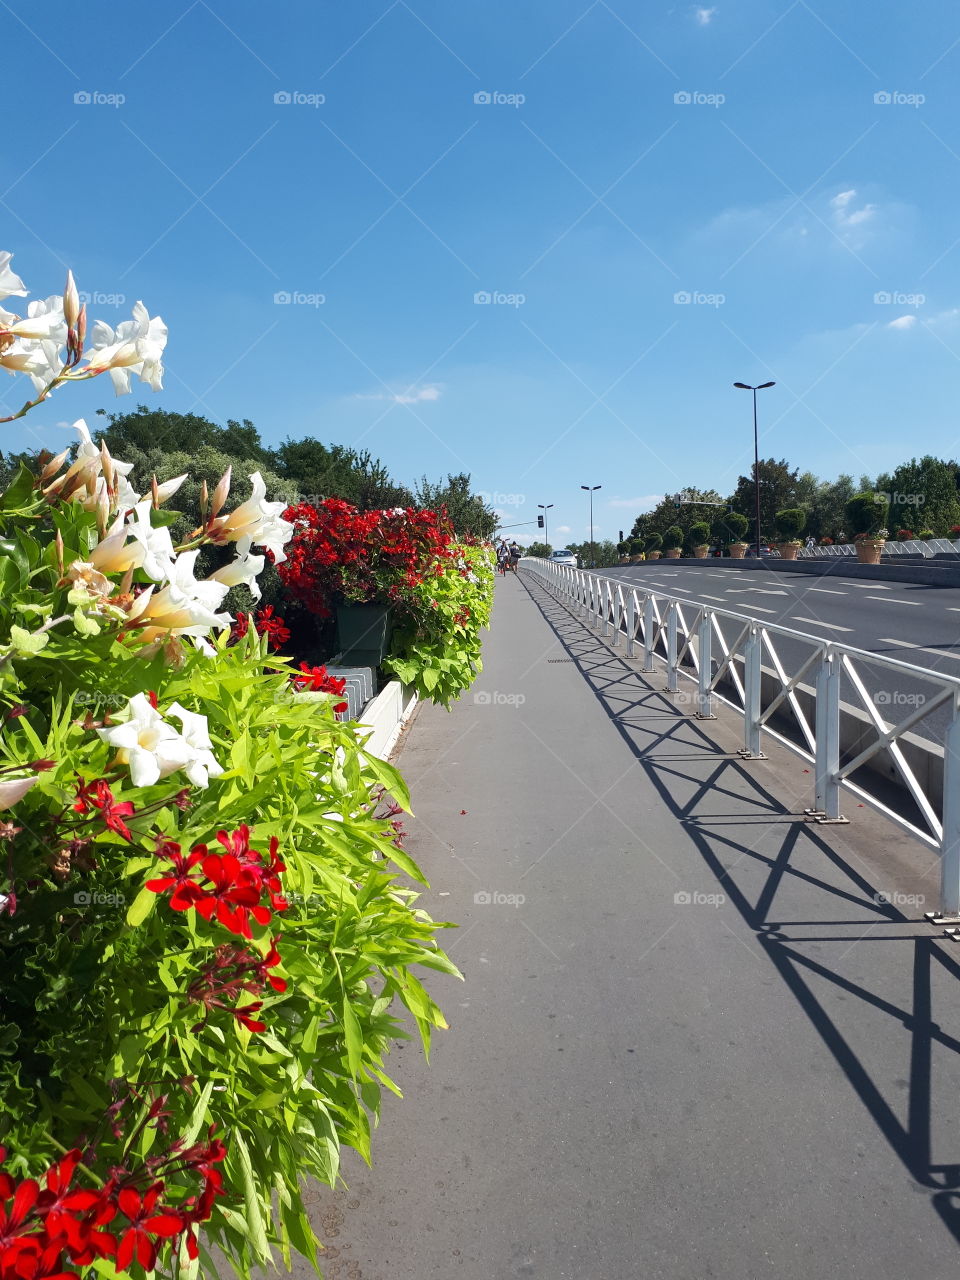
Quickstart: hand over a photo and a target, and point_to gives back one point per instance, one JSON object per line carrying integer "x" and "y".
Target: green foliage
{"x": 698, "y": 535}
{"x": 636, "y": 546}
{"x": 97, "y": 993}
{"x": 653, "y": 542}
{"x": 730, "y": 527}
{"x": 926, "y": 484}
{"x": 469, "y": 514}
{"x": 672, "y": 538}
{"x": 789, "y": 523}
{"x": 539, "y": 549}
{"x": 438, "y": 650}
{"x": 866, "y": 512}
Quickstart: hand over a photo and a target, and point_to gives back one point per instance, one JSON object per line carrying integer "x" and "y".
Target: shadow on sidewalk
{"x": 740, "y": 806}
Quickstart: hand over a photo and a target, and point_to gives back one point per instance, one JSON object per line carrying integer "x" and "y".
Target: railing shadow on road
{"x": 653, "y": 716}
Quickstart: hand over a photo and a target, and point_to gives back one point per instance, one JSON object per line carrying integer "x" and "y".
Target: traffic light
{"x": 621, "y": 535}
{"x": 539, "y": 522}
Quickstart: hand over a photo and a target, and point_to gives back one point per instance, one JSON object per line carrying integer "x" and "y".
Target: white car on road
{"x": 564, "y": 557}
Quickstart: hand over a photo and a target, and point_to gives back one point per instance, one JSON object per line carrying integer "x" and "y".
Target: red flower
{"x": 97, "y": 795}
{"x": 136, "y": 1242}
{"x": 235, "y": 895}
{"x": 316, "y": 680}
{"x": 186, "y": 891}
{"x": 243, "y": 1016}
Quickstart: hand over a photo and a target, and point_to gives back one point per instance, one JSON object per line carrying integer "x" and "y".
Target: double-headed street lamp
{"x": 546, "y": 531}
{"x": 591, "y": 489}
{"x": 745, "y": 386}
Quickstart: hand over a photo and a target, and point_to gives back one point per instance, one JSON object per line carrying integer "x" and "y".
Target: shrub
{"x": 826, "y": 542}
{"x": 652, "y": 542}
{"x": 698, "y": 535}
{"x": 904, "y": 535}
{"x": 866, "y": 512}
{"x": 636, "y": 546}
{"x": 789, "y": 523}
{"x": 926, "y": 534}
{"x": 673, "y": 538}
{"x": 954, "y": 531}
{"x": 730, "y": 527}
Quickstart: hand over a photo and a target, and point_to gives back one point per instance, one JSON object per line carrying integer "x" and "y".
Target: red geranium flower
{"x": 136, "y": 1242}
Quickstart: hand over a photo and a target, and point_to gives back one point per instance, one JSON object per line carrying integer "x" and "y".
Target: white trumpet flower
{"x": 135, "y": 348}
{"x": 148, "y": 744}
{"x": 257, "y": 519}
{"x": 243, "y": 570}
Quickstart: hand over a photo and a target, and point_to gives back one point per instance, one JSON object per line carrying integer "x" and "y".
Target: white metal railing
{"x": 687, "y": 637}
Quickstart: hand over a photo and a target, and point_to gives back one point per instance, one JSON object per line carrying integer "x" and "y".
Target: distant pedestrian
{"x": 810, "y": 543}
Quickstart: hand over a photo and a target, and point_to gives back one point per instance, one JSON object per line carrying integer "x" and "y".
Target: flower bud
{"x": 82, "y": 327}
{"x": 204, "y": 500}
{"x": 59, "y": 546}
{"x": 220, "y": 493}
{"x": 71, "y": 302}
{"x": 54, "y": 465}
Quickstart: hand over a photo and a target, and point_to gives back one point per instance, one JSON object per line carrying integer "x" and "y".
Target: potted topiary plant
{"x": 698, "y": 539}
{"x": 636, "y": 550}
{"x": 653, "y": 543}
{"x": 865, "y": 513}
{"x": 623, "y": 551}
{"x": 672, "y": 542}
{"x": 736, "y": 526}
{"x": 789, "y": 524}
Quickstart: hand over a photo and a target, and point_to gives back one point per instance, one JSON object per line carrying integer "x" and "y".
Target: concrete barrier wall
{"x": 385, "y": 716}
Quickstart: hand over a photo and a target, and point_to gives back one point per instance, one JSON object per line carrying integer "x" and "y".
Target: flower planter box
{"x": 654, "y": 555}
{"x": 672, "y": 553}
{"x": 869, "y": 550}
{"x": 788, "y": 550}
{"x": 737, "y": 550}
{"x": 363, "y": 633}
{"x": 700, "y": 553}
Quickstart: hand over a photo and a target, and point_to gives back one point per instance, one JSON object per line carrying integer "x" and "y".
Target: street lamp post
{"x": 744, "y": 386}
{"x": 546, "y": 531}
{"x": 591, "y": 489}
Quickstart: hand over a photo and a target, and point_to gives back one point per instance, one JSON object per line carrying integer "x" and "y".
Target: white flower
{"x": 14, "y": 789}
{"x": 258, "y": 519}
{"x": 135, "y": 348}
{"x": 158, "y": 555}
{"x": 204, "y": 765}
{"x": 45, "y": 319}
{"x": 242, "y": 570}
{"x": 151, "y": 747}
{"x": 183, "y": 606}
{"x": 84, "y": 481}
{"x": 169, "y": 487}
{"x": 84, "y": 573}
{"x": 11, "y": 286}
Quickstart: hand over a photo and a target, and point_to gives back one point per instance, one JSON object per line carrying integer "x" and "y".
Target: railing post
{"x": 632, "y": 624}
{"x": 606, "y": 599}
{"x": 751, "y": 697}
{"x": 950, "y": 843}
{"x": 827, "y": 733}
{"x": 704, "y": 646}
{"x": 649, "y": 623}
{"x": 672, "y": 682}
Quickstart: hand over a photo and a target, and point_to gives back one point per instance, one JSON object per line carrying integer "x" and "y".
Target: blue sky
{"x": 620, "y": 158}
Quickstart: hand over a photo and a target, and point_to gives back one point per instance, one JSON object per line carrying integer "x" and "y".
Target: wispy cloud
{"x": 646, "y": 503}
{"x": 903, "y": 322}
{"x": 704, "y": 16}
{"x": 411, "y": 395}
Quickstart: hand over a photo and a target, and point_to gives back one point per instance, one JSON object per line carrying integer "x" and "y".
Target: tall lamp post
{"x": 745, "y": 386}
{"x": 591, "y": 489}
{"x": 546, "y": 531}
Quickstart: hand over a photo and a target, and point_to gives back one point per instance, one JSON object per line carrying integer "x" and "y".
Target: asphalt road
{"x": 690, "y": 1041}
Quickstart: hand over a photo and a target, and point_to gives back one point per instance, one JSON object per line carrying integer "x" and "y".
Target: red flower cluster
{"x": 341, "y": 554}
{"x": 231, "y": 885}
{"x": 266, "y": 623}
{"x": 316, "y": 680}
{"x": 903, "y": 534}
{"x": 231, "y": 971}
{"x": 97, "y": 795}
{"x": 44, "y": 1232}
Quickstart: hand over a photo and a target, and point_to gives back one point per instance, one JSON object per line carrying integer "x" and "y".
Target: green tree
{"x": 666, "y": 513}
{"x": 924, "y": 491}
{"x": 602, "y": 554}
{"x": 467, "y": 510}
{"x": 778, "y": 489}
{"x": 539, "y": 549}
{"x": 321, "y": 471}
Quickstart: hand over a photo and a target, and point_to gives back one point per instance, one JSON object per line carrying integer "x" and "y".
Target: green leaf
{"x": 142, "y": 906}
{"x": 84, "y": 625}
{"x": 27, "y": 641}
{"x": 256, "y": 1232}
{"x": 352, "y": 1038}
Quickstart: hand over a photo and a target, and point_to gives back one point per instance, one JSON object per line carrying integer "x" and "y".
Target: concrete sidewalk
{"x": 697, "y": 1047}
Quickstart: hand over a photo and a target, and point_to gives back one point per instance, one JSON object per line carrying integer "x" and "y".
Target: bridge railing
{"x": 745, "y": 662}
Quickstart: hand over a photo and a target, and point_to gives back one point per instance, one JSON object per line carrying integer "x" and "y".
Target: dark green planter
{"x": 363, "y": 633}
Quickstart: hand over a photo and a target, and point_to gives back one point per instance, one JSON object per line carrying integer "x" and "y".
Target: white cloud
{"x": 903, "y": 322}
{"x": 848, "y": 221}
{"x": 843, "y": 199}
{"x": 412, "y": 395}
{"x": 646, "y": 503}
{"x": 704, "y": 16}
{"x": 562, "y": 528}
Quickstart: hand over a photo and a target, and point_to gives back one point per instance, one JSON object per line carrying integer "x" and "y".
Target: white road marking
{"x": 825, "y": 591}
{"x": 908, "y": 644}
{"x": 748, "y": 605}
{"x": 894, "y": 600}
{"x": 765, "y": 591}
{"x": 873, "y": 586}
{"x": 722, "y": 601}
{"x": 818, "y": 623}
